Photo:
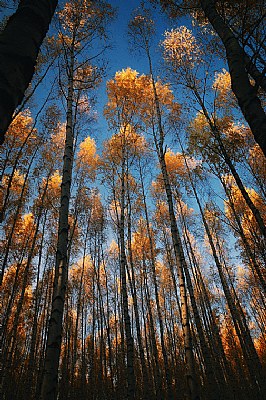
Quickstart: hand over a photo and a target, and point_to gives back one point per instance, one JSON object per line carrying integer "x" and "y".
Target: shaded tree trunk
{"x": 20, "y": 42}
{"x": 245, "y": 93}
{"x": 49, "y": 384}
{"x": 178, "y": 249}
{"x": 123, "y": 266}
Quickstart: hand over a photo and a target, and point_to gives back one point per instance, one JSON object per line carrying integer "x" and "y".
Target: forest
{"x": 133, "y": 203}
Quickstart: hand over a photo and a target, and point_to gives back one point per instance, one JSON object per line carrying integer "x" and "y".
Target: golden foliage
{"x": 81, "y": 275}
{"x": 141, "y": 246}
{"x": 16, "y": 184}
{"x": 241, "y": 208}
{"x": 181, "y": 49}
{"x": 80, "y": 19}
{"x": 20, "y": 128}
{"x": 162, "y": 212}
{"x": 176, "y": 165}
{"x": 126, "y": 143}
{"x": 203, "y": 139}
{"x": 212, "y": 217}
{"x": 24, "y": 231}
{"x": 113, "y": 249}
{"x": 87, "y": 159}
{"x": 55, "y": 150}
{"x": 52, "y": 186}
{"x": 257, "y": 161}
{"x": 97, "y": 212}
{"x": 75, "y": 14}
{"x": 54, "y": 183}
{"x": 184, "y": 208}
{"x": 157, "y": 187}
{"x": 222, "y": 85}
{"x": 86, "y": 77}
{"x": 133, "y": 95}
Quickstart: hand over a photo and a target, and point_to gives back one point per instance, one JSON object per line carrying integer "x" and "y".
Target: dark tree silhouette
{"x": 20, "y": 42}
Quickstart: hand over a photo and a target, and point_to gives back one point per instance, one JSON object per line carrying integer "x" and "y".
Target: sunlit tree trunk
{"x": 33, "y": 343}
{"x": 219, "y": 362}
{"x": 213, "y": 392}
{"x": 108, "y": 328}
{"x": 256, "y": 268}
{"x": 243, "y": 333}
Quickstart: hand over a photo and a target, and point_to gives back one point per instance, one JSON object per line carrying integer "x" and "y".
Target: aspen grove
{"x": 133, "y": 234}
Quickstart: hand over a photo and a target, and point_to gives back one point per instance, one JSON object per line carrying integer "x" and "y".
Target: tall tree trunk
{"x": 178, "y": 249}
{"x": 158, "y": 375}
{"x": 32, "y": 352}
{"x": 49, "y": 384}
{"x": 146, "y": 387}
{"x": 242, "y": 333}
{"x": 165, "y": 357}
{"x": 123, "y": 264}
{"x": 256, "y": 268}
{"x": 219, "y": 362}
{"x": 245, "y": 93}
{"x": 213, "y": 392}
{"x": 20, "y": 42}
{"x": 15, "y": 218}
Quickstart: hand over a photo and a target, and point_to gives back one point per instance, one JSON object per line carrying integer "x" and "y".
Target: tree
{"x": 119, "y": 153}
{"x": 81, "y": 22}
{"x": 20, "y": 43}
{"x": 245, "y": 92}
{"x": 141, "y": 29}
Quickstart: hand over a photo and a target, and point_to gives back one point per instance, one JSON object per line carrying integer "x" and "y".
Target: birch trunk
{"x": 54, "y": 339}
{"x": 123, "y": 265}
{"x": 178, "y": 250}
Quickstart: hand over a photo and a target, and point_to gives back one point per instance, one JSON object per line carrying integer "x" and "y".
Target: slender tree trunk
{"x": 178, "y": 250}
{"x": 215, "y": 131}
{"x": 11, "y": 176}
{"x": 219, "y": 362}
{"x": 49, "y": 384}
{"x": 165, "y": 357}
{"x": 158, "y": 375}
{"x": 250, "y": 253}
{"x": 243, "y": 335}
{"x": 213, "y": 392}
{"x": 108, "y": 328}
{"x": 32, "y": 351}
{"x": 123, "y": 262}
{"x": 15, "y": 218}
{"x": 146, "y": 387}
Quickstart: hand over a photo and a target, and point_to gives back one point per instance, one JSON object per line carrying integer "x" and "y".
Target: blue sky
{"x": 121, "y": 57}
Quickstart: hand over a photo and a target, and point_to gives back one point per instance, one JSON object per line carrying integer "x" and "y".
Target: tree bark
{"x": 245, "y": 93}
{"x": 192, "y": 384}
{"x": 20, "y": 43}
{"x": 49, "y": 384}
